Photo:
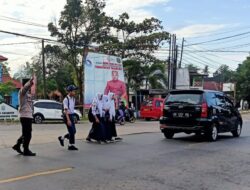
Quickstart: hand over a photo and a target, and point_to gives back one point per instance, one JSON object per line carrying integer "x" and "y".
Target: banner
{"x": 104, "y": 74}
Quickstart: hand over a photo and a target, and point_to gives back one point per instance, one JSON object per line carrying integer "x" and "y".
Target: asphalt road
{"x": 140, "y": 162}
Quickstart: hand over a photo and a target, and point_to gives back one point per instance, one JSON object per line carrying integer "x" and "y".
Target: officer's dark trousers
{"x": 26, "y": 133}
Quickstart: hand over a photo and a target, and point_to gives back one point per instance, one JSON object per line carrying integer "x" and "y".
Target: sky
{"x": 223, "y": 22}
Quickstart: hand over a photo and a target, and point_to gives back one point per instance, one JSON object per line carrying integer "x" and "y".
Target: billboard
{"x": 182, "y": 79}
{"x": 228, "y": 87}
{"x": 104, "y": 74}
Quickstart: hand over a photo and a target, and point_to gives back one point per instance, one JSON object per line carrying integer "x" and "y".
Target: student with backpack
{"x": 96, "y": 117}
{"x": 68, "y": 114}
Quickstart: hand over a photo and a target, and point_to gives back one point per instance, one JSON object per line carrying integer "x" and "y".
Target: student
{"x": 26, "y": 117}
{"x": 112, "y": 126}
{"x": 68, "y": 109}
{"x": 97, "y": 131}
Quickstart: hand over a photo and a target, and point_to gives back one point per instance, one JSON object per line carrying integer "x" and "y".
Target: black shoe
{"x": 118, "y": 138}
{"x": 17, "y": 148}
{"x": 111, "y": 141}
{"x": 29, "y": 153}
{"x": 72, "y": 148}
{"x": 61, "y": 141}
{"x": 88, "y": 139}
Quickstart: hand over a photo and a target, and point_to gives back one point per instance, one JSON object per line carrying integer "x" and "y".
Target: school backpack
{"x": 91, "y": 117}
{"x": 63, "y": 114}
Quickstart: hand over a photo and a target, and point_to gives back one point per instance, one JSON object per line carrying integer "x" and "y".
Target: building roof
{"x": 17, "y": 83}
{"x": 2, "y": 58}
{"x": 212, "y": 85}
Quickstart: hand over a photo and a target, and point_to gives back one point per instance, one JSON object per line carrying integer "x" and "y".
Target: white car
{"x": 50, "y": 110}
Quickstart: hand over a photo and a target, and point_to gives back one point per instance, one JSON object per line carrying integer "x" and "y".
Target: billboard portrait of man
{"x": 104, "y": 73}
{"x": 115, "y": 85}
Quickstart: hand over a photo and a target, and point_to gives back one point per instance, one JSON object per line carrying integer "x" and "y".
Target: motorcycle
{"x": 125, "y": 116}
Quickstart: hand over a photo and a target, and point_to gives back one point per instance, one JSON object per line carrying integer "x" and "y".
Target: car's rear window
{"x": 189, "y": 98}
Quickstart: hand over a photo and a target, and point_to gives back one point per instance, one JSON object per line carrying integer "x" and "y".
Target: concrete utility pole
{"x": 182, "y": 48}
{"x": 44, "y": 71}
{"x": 169, "y": 63}
{"x": 174, "y": 61}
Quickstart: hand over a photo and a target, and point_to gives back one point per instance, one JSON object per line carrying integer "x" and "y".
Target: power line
{"x": 219, "y": 39}
{"x": 27, "y": 36}
{"x": 234, "y": 47}
{"x": 9, "y": 19}
{"x": 18, "y": 43}
{"x": 212, "y": 54}
{"x": 200, "y": 61}
{"x": 215, "y": 33}
{"x": 13, "y": 53}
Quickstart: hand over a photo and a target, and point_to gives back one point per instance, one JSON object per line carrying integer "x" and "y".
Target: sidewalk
{"x": 47, "y": 133}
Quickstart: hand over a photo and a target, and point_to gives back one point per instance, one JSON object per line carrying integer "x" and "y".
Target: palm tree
{"x": 155, "y": 77}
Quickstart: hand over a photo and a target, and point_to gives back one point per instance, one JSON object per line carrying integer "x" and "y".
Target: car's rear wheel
{"x": 212, "y": 134}
{"x": 237, "y": 131}
{"x": 38, "y": 119}
{"x": 169, "y": 134}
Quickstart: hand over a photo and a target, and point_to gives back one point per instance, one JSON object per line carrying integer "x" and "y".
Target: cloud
{"x": 198, "y": 30}
{"x": 135, "y": 8}
{"x": 168, "y": 9}
{"x": 45, "y": 11}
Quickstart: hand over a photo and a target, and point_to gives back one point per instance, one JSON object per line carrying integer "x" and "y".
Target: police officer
{"x": 68, "y": 109}
{"x": 26, "y": 117}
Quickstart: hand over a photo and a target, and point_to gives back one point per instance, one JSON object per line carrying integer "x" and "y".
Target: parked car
{"x": 200, "y": 111}
{"x": 50, "y": 110}
{"x": 152, "y": 108}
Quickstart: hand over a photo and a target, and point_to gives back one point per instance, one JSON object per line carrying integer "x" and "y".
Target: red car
{"x": 152, "y": 108}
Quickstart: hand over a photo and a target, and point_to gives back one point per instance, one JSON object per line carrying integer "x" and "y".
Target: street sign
{"x": 7, "y": 112}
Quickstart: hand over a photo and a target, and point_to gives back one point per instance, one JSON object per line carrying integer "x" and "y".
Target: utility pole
{"x": 169, "y": 63}
{"x": 44, "y": 71}
{"x": 174, "y": 62}
{"x": 182, "y": 48}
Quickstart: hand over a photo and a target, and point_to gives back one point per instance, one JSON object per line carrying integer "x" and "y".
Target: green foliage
{"x": 25, "y": 71}
{"x": 243, "y": 79}
{"x": 6, "y": 88}
{"x": 79, "y": 26}
{"x": 225, "y": 74}
{"x": 192, "y": 68}
{"x": 139, "y": 40}
{"x": 152, "y": 76}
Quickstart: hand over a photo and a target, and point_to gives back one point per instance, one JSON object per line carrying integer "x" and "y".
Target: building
{"x": 11, "y": 99}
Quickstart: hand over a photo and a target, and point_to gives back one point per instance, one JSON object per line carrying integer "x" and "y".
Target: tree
{"x": 134, "y": 74}
{"x": 6, "y": 88}
{"x": 137, "y": 43}
{"x": 243, "y": 79}
{"x": 225, "y": 74}
{"x": 192, "y": 68}
{"x": 80, "y": 25}
{"x": 155, "y": 76}
{"x": 25, "y": 71}
{"x": 137, "y": 40}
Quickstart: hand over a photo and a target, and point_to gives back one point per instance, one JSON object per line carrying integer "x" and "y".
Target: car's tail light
{"x": 204, "y": 110}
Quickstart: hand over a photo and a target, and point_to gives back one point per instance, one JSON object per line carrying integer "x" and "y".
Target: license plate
{"x": 181, "y": 115}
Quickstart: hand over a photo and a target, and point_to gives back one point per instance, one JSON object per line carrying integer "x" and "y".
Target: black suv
{"x": 200, "y": 111}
